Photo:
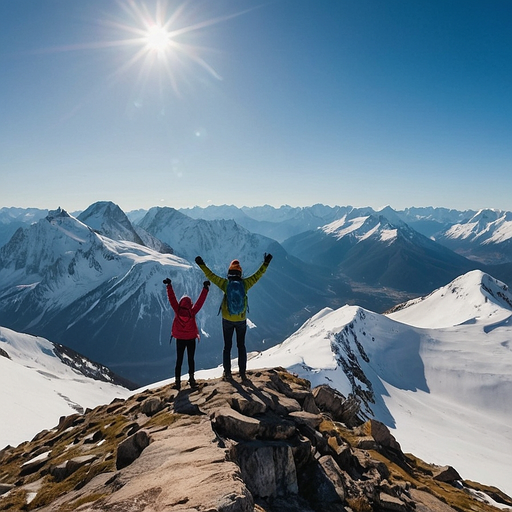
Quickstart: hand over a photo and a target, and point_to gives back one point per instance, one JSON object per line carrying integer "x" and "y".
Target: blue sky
{"x": 364, "y": 103}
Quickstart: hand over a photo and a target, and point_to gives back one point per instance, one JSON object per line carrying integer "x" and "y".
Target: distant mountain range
{"x": 93, "y": 282}
{"x": 103, "y": 296}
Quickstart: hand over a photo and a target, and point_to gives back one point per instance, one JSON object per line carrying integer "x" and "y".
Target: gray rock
{"x": 306, "y": 418}
{"x": 151, "y": 406}
{"x": 5, "y": 488}
{"x": 309, "y": 404}
{"x": 333, "y": 473}
{"x": 392, "y": 503}
{"x": 234, "y": 425}
{"x": 268, "y": 469}
{"x": 248, "y": 407}
{"x": 67, "y": 468}
{"x": 131, "y": 448}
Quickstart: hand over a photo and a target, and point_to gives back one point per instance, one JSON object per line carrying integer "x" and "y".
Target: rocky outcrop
{"x": 271, "y": 444}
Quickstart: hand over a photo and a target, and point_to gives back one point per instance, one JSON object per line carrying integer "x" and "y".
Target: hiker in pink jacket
{"x": 184, "y": 329}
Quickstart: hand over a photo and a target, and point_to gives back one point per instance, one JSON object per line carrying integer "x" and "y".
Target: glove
{"x": 199, "y": 260}
{"x": 167, "y": 281}
{"x": 267, "y": 258}
{"x": 206, "y": 285}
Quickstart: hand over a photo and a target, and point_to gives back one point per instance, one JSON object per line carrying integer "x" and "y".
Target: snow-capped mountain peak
{"x": 475, "y": 297}
{"x": 108, "y": 219}
{"x": 486, "y": 236}
{"x": 360, "y": 228}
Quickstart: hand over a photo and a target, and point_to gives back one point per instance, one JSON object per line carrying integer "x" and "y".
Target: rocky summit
{"x": 267, "y": 444}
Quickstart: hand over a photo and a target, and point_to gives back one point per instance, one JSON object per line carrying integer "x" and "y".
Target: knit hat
{"x": 235, "y": 265}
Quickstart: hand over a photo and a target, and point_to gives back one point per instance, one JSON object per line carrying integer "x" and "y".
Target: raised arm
{"x": 202, "y": 297}
{"x": 221, "y": 282}
{"x": 253, "y": 279}
{"x": 171, "y": 295}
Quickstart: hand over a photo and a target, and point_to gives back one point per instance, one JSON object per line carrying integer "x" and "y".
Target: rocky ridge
{"x": 269, "y": 444}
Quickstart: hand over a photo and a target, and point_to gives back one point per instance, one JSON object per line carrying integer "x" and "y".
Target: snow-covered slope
{"x": 485, "y": 237}
{"x": 38, "y": 387}
{"x": 104, "y": 298}
{"x": 217, "y": 241}
{"x": 445, "y": 388}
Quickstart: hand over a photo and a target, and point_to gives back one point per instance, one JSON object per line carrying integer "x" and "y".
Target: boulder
{"x": 151, "y": 406}
{"x": 67, "y": 468}
{"x": 268, "y": 469}
{"x": 382, "y": 435}
{"x": 446, "y": 474}
{"x": 131, "y": 448}
{"x": 306, "y": 418}
{"x": 340, "y": 408}
{"x": 234, "y": 425}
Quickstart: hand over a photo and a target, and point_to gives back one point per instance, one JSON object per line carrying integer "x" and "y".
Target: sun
{"x": 158, "y": 39}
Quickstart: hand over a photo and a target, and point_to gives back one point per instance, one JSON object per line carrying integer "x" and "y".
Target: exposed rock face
{"x": 270, "y": 445}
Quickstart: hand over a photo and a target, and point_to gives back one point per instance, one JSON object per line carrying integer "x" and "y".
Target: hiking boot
{"x": 243, "y": 378}
{"x": 227, "y": 376}
{"x": 192, "y": 382}
{"x": 177, "y": 385}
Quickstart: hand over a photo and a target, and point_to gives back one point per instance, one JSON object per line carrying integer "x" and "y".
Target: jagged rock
{"x": 239, "y": 449}
{"x": 318, "y": 488}
{"x": 446, "y": 474}
{"x": 306, "y": 418}
{"x": 5, "y": 488}
{"x": 342, "y": 452}
{"x": 382, "y": 435}
{"x": 393, "y": 503}
{"x": 309, "y": 404}
{"x": 66, "y": 422}
{"x": 366, "y": 443}
{"x": 232, "y": 424}
{"x": 34, "y": 464}
{"x": 131, "y": 448}
{"x": 333, "y": 473}
{"x": 3, "y": 353}
{"x": 151, "y": 406}
{"x": 67, "y": 468}
{"x": 276, "y": 428}
{"x": 268, "y": 469}
{"x": 248, "y": 407}
{"x": 341, "y": 408}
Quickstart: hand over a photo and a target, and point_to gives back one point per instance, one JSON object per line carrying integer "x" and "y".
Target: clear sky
{"x": 348, "y": 102}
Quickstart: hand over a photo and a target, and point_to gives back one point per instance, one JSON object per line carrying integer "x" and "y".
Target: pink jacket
{"x": 184, "y": 325}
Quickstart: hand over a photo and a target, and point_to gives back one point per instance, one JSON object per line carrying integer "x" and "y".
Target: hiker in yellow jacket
{"x": 234, "y": 309}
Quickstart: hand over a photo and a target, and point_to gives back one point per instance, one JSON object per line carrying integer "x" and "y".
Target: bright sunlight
{"x": 158, "y": 39}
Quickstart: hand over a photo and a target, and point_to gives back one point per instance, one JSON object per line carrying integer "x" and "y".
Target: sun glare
{"x": 158, "y": 39}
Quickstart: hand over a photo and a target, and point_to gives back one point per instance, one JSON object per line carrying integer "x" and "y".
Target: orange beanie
{"x": 235, "y": 265}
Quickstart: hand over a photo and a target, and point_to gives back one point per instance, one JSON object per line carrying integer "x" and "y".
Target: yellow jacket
{"x": 222, "y": 283}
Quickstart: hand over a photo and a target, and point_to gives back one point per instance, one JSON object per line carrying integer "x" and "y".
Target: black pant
{"x": 228, "y": 328}
{"x": 181, "y": 345}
